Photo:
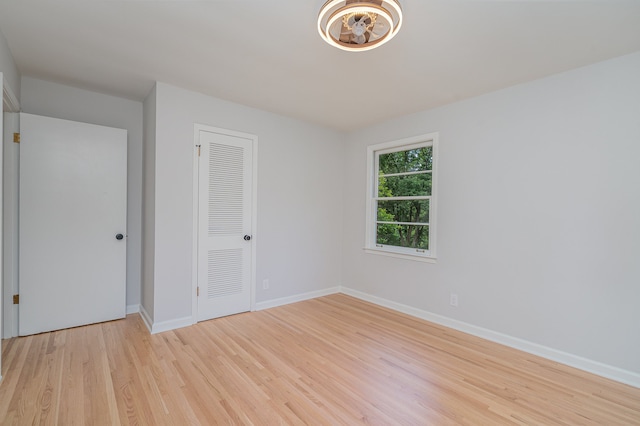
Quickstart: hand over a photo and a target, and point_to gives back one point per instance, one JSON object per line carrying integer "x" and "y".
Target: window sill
{"x": 415, "y": 258}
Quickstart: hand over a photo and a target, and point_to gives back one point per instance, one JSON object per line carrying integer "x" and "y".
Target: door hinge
{"x": 198, "y": 146}
{"x": 198, "y": 291}
{"x": 16, "y": 299}
{"x": 16, "y": 138}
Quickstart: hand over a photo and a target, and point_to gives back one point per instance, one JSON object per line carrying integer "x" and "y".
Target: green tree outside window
{"x": 404, "y": 197}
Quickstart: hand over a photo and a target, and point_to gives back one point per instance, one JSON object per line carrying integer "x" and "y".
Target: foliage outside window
{"x": 401, "y": 218}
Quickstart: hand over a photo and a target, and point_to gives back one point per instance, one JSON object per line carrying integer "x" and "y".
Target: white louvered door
{"x": 224, "y": 224}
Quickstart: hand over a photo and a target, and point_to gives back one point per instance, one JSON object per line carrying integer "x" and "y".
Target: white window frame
{"x": 373, "y": 151}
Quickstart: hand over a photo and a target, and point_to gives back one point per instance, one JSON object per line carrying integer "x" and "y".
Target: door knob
{"x": 119, "y": 236}
{"x": 247, "y": 237}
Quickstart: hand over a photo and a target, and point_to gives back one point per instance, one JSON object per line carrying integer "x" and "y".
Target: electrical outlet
{"x": 265, "y": 284}
{"x": 453, "y": 299}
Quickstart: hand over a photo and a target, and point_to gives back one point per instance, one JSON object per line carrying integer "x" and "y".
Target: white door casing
{"x": 225, "y": 223}
{"x": 10, "y": 163}
{"x": 72, "y": 267}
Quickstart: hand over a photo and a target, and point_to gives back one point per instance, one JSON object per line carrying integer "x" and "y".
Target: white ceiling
{"x": 268, "y": 54}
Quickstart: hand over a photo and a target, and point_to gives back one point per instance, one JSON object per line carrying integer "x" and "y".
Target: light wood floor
{"x": 333, "y": 360}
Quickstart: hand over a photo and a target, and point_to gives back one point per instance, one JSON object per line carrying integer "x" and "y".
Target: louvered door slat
{"x": 225, "y": 272}
{"x": 226, "y": 189}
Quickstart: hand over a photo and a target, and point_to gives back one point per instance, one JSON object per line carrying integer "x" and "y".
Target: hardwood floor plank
{"x": 334, "y": 360}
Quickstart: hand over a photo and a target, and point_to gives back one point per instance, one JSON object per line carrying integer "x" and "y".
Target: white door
{"x": 72, "y": 263}
{"x": 225, "y": 245}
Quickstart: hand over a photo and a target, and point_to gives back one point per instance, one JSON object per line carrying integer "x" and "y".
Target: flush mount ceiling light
{"x": 359, "y": 25}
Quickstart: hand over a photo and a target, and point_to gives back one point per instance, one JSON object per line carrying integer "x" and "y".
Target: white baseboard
{"x": 159, "y": 327}
{"x": 133, "y": 309}
{"x": 297, "y": 298}
{"x": 146, "y": 318}
{"x": 595, "y": 367}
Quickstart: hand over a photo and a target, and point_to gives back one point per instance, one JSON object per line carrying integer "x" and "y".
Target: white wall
{"x": 299, "y": 219}
{"x": 539, "y": 207}
{"x": 59, "y": 101}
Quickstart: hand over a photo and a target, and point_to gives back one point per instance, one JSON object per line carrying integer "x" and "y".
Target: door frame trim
{"x": 197, "y": 128}
{"x": 9, "y": 194}
{"x": 10, "y": 177}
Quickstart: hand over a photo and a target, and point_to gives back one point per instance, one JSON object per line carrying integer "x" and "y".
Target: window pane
{"x": 403, "y": 211}
{"x": 403, "y": 186}
{"x": 412, "y": 160}
{"x": 411, "y": 236}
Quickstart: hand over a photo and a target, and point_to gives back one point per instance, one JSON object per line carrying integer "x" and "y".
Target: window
{"x": 401, "y": 198}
